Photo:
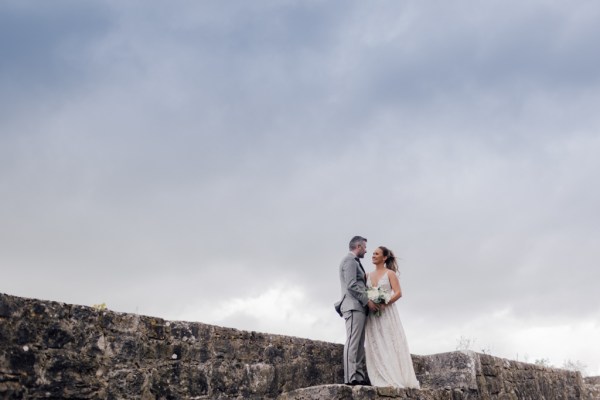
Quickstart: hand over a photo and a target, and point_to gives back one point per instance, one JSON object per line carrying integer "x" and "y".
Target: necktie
{"x": 359, "y": 264}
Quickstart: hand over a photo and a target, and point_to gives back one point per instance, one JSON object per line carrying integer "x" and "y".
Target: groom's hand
{"x": 372, "y": 306}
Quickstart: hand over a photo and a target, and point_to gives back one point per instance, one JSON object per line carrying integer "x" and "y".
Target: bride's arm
{"x": 395, "y": 287}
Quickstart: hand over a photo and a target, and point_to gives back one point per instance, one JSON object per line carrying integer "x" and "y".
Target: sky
{"x": 210, "y": 161}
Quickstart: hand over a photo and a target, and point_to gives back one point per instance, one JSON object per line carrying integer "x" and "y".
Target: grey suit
{"x": 353, "y": 307}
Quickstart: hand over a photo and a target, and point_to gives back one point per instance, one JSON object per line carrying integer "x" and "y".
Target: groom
{"x": 353, "y": 307}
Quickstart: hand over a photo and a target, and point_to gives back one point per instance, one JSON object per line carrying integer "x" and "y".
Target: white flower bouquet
{"x": 378, "y": 296}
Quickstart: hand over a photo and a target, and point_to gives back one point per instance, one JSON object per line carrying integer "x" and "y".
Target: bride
{"x": 388, "y": 359}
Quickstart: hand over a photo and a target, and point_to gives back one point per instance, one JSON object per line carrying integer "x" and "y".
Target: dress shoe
{"x": 358, "y": 383}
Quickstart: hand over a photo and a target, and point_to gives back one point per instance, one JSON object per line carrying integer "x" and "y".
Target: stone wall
{"x": 57, "y": 350}
{"x": 500, "y": 378}
{"x": 592, "y": 387}
{"x": 493, "y": 378}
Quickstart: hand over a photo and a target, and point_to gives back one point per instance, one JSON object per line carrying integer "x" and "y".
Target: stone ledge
{"x": 345, "y": 392}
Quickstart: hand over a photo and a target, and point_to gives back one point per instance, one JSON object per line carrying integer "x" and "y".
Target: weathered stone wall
{"x": 592, "y": 387}
{"x": 455, "y": 370}
{"x": 56, "y": 350}
{"x": 494, "y": 378}
{"x": 500, "y": 378}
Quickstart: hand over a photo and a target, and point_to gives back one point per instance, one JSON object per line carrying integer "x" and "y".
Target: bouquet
{"x": 378, "y": 295}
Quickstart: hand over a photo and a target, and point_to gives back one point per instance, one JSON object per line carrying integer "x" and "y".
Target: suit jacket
{"x": 353, "y": 285}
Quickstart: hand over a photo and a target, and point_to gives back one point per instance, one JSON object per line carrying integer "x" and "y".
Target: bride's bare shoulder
{"x": 392, "y": 275}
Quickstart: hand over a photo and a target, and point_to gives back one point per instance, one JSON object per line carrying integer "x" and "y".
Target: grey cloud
{"x": 44, "y": 48}
{"x": 479, "y": 52}
{"x": 201, "y": 144}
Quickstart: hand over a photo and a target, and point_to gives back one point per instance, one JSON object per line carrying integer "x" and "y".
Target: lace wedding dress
{"x": 388, "y": 359}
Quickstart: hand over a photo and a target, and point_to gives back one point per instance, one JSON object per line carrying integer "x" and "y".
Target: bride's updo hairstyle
{"x": 390, "y": 261}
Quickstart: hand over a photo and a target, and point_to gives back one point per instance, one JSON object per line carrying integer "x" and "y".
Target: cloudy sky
{"x": 209, "y": 161}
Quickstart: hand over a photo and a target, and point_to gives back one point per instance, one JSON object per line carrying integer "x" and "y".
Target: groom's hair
{"x": 355, "y": 241}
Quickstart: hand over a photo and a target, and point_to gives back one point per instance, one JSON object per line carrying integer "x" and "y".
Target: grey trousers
{"x": 355, "y": 368}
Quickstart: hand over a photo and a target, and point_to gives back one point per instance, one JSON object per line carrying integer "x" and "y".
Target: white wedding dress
{"x": 388, "y": 359}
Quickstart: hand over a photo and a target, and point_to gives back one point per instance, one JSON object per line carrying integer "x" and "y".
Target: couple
{"x": 373, "y": 331}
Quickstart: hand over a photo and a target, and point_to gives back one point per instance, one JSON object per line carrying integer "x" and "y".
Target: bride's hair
{"x": 390, "y": 261}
